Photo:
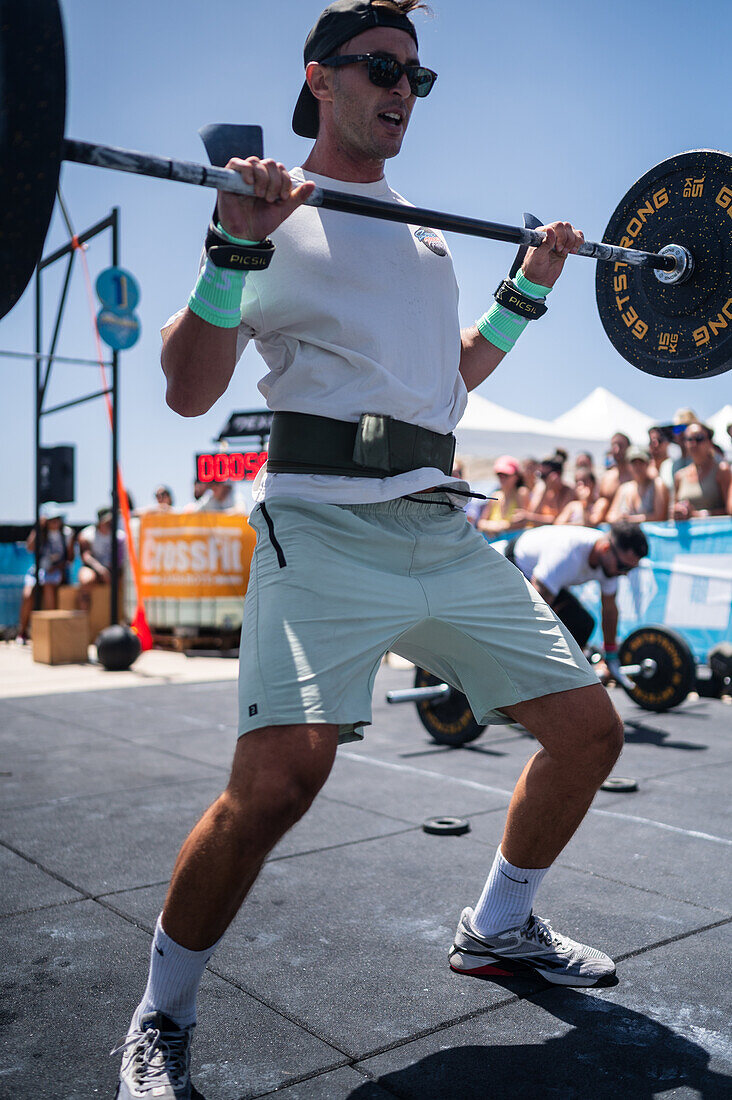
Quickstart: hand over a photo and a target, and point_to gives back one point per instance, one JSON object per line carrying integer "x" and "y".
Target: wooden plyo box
{"x": 99, "y": 615}
{"x": 60, "y": 637}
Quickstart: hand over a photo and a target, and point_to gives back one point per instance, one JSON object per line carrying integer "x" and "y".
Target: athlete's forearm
{"x": 198, "y": 360}
{"x": 478, "y": 357}
{"x": 609, "y": 621}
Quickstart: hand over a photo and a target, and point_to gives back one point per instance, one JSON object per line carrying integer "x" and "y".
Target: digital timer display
{"x": 229, "y": 465}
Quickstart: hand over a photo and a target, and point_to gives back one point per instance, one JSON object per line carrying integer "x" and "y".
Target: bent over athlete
{"x": 362, "y": 544}
{"x": 556, "y": 559}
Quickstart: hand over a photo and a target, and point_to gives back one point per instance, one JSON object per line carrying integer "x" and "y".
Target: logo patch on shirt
{"x": 429, "y": 238}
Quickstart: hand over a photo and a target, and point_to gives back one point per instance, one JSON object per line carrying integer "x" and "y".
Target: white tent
{"x": 488, "y": 430}
{"x": 482, "y": 415}
{"x": 601, "y": 414}
{"x": 718, "y": 423}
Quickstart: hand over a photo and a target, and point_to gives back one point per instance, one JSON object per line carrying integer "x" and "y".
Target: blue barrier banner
{"x": 15, "y": 561}
{"x": 685, "y": 583}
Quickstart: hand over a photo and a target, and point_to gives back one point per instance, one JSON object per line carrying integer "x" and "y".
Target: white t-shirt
{"x": 559, "y": 557}
{"x": 356, "y": 315}
{"x": 101, "y": 545}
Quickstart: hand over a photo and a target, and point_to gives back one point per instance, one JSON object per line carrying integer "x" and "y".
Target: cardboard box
{"x": 100, "y": 613}
{"x": 60, "y": 637}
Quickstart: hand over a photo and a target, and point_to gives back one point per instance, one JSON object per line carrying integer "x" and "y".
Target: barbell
{"x": 663, "y": 283}
{"x": 657, "y": 669}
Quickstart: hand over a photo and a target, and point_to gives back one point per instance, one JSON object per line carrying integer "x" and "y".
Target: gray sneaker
{"x": 535, "y": 946}
{"x": 156, "y": 1058}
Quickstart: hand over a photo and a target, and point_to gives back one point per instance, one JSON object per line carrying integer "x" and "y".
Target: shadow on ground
{"x": 606, "y": 1051}
{"x": 640, "y": 733}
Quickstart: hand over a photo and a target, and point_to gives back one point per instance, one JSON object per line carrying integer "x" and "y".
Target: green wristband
{"x": 534, "y": 290}
{"x": 502, "y": 328}
{"x": 216, "y": 297}
{"x": 234, "y": 240}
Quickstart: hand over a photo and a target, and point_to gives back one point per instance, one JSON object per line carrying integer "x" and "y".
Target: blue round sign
{"x": 117, "y": 290}
{"x": 118, "y": 330}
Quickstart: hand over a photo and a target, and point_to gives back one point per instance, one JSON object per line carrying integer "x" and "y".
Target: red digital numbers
{"x": 229, "y": 466}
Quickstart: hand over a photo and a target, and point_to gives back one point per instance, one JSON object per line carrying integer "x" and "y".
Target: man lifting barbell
{"x": 362, "y": 542}
{"x": 359, "y": 321}
{"x": 556, "y": 559}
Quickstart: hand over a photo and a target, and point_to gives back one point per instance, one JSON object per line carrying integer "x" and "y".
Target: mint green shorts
{"x": 332, "y": 587}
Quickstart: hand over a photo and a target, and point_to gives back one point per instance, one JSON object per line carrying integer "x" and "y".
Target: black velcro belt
{"x": 377, "y": 446}
{"x": 521, "y": 304}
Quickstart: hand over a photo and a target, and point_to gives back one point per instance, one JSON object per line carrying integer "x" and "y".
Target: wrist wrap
{"x": 502, "y": 326}
{"x": 521, "y": 304}
{"x": 239, "y": 255}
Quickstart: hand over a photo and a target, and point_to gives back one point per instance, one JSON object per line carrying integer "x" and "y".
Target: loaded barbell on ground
{"x": 657, "y": 669}
{"x": 663, "y": 286}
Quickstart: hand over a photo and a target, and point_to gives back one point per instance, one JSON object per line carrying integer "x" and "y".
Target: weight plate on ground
{"x": 675, "y": 673}
{"x": 32, "y": 115}
{"x": 673, "y": 330}
{"x": 448, "y": 721}
{"x": 446, "y": 826}
{"x": 617, "y": 784}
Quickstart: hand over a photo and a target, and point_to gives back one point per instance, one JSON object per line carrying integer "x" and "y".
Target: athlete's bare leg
{"x": 276, "y": 774}
{"x": 581, "y": 735}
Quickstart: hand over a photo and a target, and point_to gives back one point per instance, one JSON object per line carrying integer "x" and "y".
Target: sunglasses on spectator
{"x": 386, "y": 72}
{"x": 620, "y": 566}
{"x": 696, "y": 439}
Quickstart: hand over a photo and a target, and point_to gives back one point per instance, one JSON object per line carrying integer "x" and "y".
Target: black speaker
{"x": 56, "y": 474}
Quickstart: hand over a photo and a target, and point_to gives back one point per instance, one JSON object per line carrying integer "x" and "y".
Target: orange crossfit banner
{"x": 194, "y": 555}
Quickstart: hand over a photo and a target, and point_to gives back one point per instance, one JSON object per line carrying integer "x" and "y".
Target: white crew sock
{"x": 173, "y": 981}
{"x": 507, "y": 898}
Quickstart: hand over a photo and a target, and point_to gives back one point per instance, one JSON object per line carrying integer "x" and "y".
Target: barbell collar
{"x": 224, "y": 179}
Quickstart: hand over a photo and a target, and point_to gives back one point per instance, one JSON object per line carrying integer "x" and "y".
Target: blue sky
{"x": 551, "y": 107}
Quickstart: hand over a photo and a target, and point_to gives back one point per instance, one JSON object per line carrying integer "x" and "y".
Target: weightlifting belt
{"x": 377, "y": 446}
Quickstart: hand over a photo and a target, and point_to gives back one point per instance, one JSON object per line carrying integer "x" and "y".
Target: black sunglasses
{"x": 620, "y": 566}
{"x": 385, "y": 72}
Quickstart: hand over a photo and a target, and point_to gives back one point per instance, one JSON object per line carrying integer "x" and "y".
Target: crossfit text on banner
{"x": 195, "y": 555}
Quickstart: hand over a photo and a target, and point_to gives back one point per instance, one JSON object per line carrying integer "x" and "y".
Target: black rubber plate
{"x": 681, "y": 330}
{"x": 675, "y": 673}
{"x": 32, "y": 117}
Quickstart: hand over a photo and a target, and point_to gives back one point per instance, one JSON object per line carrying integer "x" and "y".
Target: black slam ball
{"x": 117, "y": 648}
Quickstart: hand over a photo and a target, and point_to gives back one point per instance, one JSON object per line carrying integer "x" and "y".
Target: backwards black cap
{"x": 340, "y": 21}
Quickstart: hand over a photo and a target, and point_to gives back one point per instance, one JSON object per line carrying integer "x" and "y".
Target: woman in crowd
{"x": 530, "y": 472}
{"x": 578, "y": 511}
{"x": 703, "y": 487}
{"x": 505, "y": 512}
{"x": 551, "y": 494}
{"x": 644, "y": 497}
{"x": 56, "y": 551}
{"x": 658, "y": 445}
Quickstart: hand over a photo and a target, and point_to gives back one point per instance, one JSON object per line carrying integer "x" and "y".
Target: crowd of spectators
{"x": 678, "y": 475}
{"x": 56, "y": 552}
